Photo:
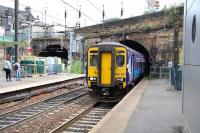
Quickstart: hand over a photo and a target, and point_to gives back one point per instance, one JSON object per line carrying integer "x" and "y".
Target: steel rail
{"x": 17, "y": 116}
{"x": 85, "y": 120}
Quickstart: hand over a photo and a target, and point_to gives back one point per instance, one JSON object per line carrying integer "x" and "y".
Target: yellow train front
{"x": 107, "y": 69}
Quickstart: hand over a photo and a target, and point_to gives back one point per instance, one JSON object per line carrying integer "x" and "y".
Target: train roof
{"x": 116, "y": 44}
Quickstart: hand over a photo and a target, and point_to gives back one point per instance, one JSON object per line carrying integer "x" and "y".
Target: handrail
{"x": 159, "y": 72}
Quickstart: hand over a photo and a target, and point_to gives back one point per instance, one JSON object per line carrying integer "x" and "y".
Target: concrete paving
{"x": 33, "y": 81}
{"x": 158, "y": 110}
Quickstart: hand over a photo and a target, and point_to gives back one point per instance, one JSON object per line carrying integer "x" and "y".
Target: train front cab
{"x": 106, "y": 70}
{"x": 92, "y": 67}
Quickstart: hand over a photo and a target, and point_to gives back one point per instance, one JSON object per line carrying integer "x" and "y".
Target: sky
{"x": 92, "y": 8}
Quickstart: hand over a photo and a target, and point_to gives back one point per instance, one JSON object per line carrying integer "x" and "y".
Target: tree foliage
{"x": 174, "y": 15}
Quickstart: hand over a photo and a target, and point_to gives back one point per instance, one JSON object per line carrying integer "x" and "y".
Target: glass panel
{"x": 119, "y": 60}
{"x": 93, "y": 60}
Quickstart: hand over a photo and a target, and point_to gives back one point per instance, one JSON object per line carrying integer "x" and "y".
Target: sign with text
{"x": 28, "y": 49}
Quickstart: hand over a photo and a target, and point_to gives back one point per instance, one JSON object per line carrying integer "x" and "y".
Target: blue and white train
{"x": 112, "y": 68}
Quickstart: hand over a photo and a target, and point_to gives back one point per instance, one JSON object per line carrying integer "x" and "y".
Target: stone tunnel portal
{"x": 54, "y": 50}
{"x": 140, "y": 48}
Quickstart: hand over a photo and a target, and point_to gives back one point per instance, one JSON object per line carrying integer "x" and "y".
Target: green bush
{"x": 76, "y": 67}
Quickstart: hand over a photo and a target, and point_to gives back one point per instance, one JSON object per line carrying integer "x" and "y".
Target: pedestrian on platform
{"x": 7, "y": 69}
{"x": 17, "y": 69}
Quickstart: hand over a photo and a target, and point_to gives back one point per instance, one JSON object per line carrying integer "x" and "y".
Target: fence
{"x": 159, "y": 72}
{"x": 175, "y": 76}
{"x": 7, "y": 38}
{"x": 32, "y": 70}
{"x": 29, "y": 70}
{"x": 2, "y": 73}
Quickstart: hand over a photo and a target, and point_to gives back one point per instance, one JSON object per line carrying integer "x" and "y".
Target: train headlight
{"x": 120, "y": 79}
{"x": 91, "y": 78}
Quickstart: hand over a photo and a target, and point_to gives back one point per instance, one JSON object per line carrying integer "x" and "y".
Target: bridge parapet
{"x": 150, "y": 31}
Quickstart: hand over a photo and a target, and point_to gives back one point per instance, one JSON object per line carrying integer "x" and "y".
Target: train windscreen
{"x": 93, "y": 60}
{"x": 119, "y": 60}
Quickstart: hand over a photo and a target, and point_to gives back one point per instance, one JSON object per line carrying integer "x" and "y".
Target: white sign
{"x": 2, "y": 31}
{"x": 170, "y": 64}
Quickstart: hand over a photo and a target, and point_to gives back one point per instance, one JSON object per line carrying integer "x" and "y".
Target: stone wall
{"x": 149, "y": 31}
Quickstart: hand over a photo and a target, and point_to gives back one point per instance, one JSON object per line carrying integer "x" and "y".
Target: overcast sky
{"x": 55, "y": 9}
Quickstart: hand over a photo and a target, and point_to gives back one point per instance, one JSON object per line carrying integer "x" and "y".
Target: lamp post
{"x": 16, "y": 30}
{"x": 122, "y": 12}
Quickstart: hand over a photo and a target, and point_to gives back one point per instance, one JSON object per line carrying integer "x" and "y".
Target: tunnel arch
{"x": 54, "y": 50}
{"x": 140, "y": 48}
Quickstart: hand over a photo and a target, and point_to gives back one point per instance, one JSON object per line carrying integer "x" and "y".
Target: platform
{"x": 149, "y": 108}
{"x": 29, "y": 82}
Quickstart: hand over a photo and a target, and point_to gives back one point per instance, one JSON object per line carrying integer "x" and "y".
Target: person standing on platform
{"x": 7, "y": 69}
{"x": 17, "y": 69}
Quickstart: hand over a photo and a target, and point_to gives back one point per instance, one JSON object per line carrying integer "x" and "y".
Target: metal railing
{"x": 174, "y": 76}
{"x": 35, "y": 69}
{"x": 32, "y": 70}
{"x": 7, "y": 38}
{"x": 2, "y": 73}
{"x": 159, "y": 72}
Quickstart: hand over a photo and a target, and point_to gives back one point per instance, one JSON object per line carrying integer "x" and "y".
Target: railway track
{"x": 85, "y": 120}
{"x": 15, "y": 117}
{"x": 36, "y": 90}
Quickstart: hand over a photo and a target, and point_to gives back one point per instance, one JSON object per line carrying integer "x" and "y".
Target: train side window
{"x": 119, "y": 60}
{"x": 139, "y": 64}
{"x": 93, "y": 60}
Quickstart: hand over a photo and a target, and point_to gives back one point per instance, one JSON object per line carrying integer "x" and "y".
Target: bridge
{"x": 154, "y": 35}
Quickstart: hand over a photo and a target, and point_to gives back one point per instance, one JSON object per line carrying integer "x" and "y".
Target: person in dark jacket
{"x": 17, "y": 69}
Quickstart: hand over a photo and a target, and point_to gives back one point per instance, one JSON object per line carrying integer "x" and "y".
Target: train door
{"x": 106, "y": 66}
{"x": 106, "y": 59}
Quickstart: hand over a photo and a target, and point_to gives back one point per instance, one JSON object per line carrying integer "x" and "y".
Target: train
{"x": 112, "y": 68}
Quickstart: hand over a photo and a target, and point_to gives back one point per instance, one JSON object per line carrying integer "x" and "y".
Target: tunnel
{"x": 54, "y": 50}
{"x": 141, "y": 49}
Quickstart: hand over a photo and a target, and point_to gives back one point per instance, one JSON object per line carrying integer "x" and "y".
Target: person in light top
{"x": 7, "y": 68}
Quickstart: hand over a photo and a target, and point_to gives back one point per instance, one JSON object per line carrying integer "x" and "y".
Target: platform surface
{"x": 29, "y": 82}
{"x": 149, "y": 108}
